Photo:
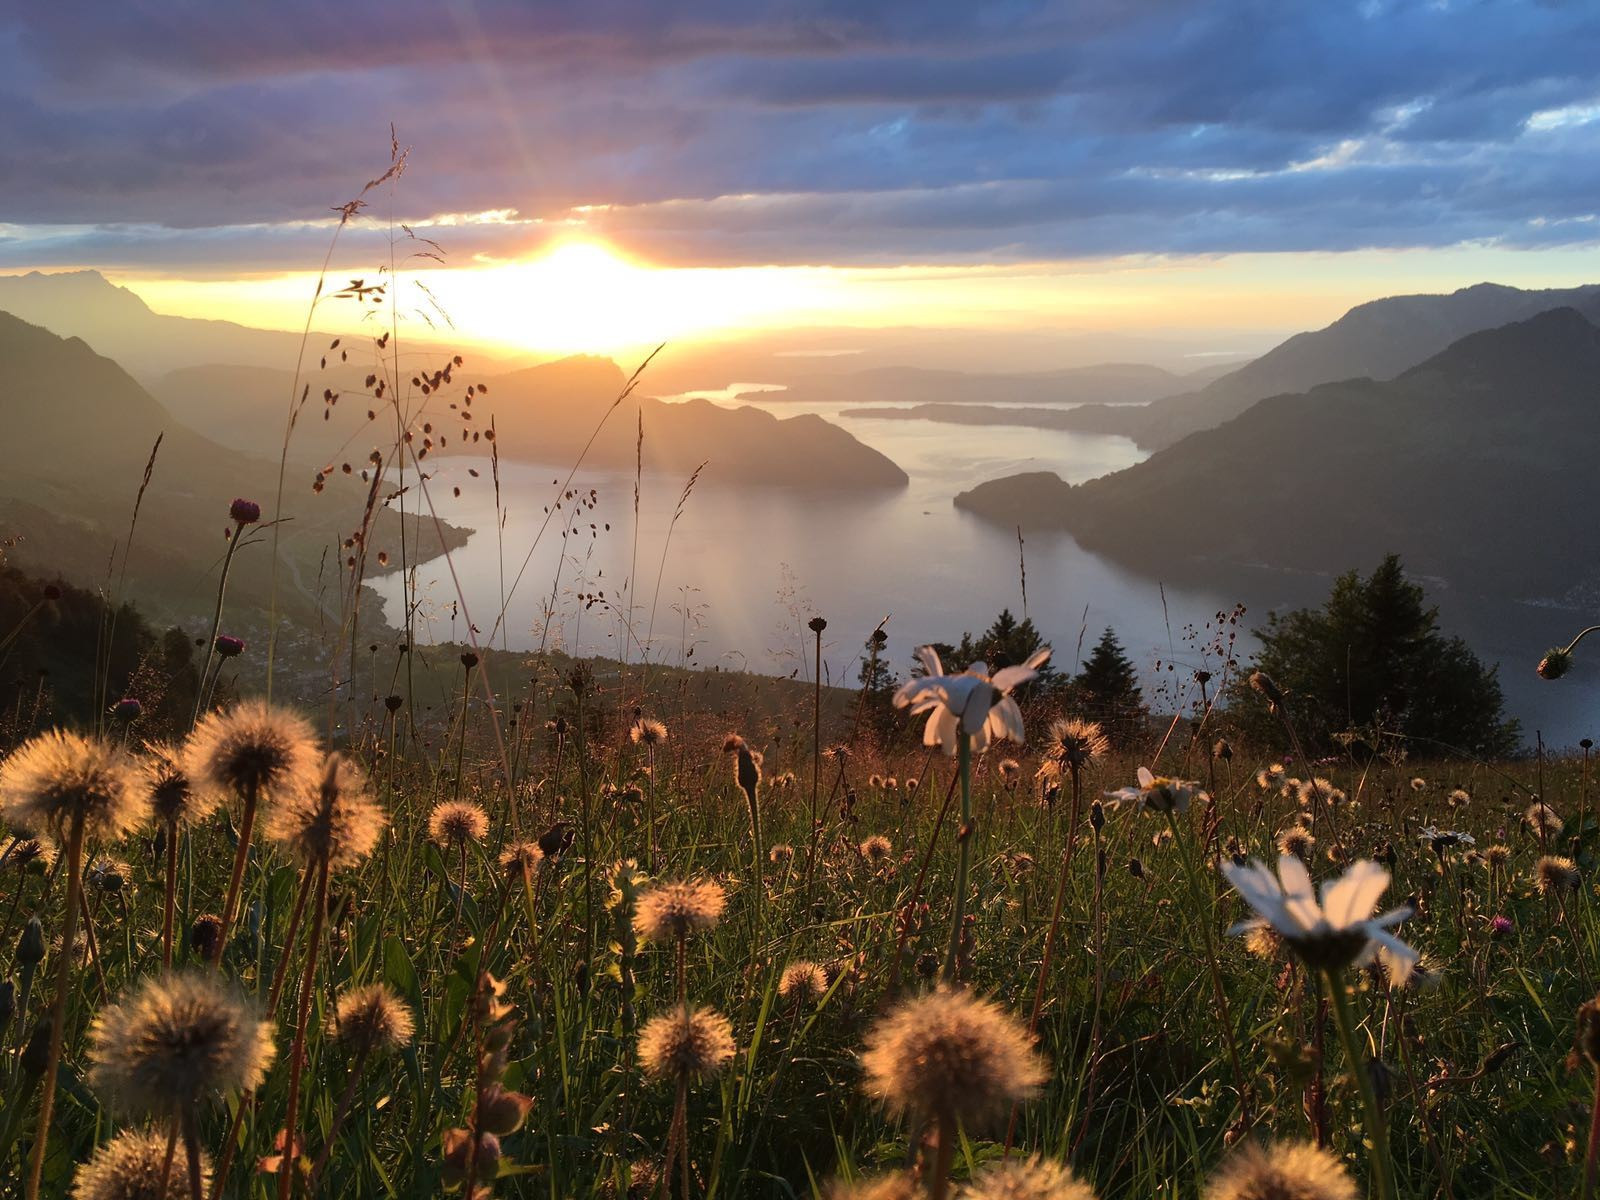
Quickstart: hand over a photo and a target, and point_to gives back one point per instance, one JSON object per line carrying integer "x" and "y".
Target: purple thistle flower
{"x": 245, "y": 512}
{"x": 229, "y": 647}
{"x": 127, "y": 709}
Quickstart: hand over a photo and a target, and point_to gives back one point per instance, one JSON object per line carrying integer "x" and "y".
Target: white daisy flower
{"x": 1157, "y": 793}
{"x": 1339, "y": 932}
{"x": 1445, "y": 839}
{"x": 973, "y": 704}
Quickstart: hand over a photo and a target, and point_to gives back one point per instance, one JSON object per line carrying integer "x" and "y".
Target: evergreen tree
{"x": 1107, "y": 690}
{"x": 1372, "y": 658}
{"x": 1005, "y": 643}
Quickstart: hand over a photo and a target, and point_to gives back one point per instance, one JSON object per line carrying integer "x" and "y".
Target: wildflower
{"x": 875, "y": 782}
{"x": 1418, "y": 784}
{"x": 1459, "y": 798}
{"x": 1157, "y": 793}
{"x": 746, "y": 766}
{"x": 1221, "y": 750}
{"x": 953, "y": 1056}
{"x": 1421, "y": 976}
{"x": 1010, "y": 768}
{"x": 671, "y": 911}
{"x": 647, "y": 731}
{"x": 1543, "y": 820}
{"x": 802, "y": 980}
{"x": 110, "y": 875}
{"x": 373, "y": 1019}
{"x": 1021, "y": 863}
{"x": 1262, "y": 940}
{"x": 521, "y": 861}
{"x": 1263, "y": 683}
{"x": 177, "y": 1040}
{"x": 1553, "y": 875}
{"x": 1027, "y": 1179}
{"x": 1497, "y": 855}
{"x": 205, "y": 935}
{"x": 1292, "y": 1171}
{"x": 131, "y": 1166}
{"x": 1440, "y": 840}
{"x": 337, "y": 823}
{"x": 127, "y": 710}
{"x": 174, "y": 800}
{"x": 899, "y": 1186}
{"x": 255, "y": 751}
{"x": 689, "y": 1044}
{"x": 1556, "y": 663}
{"x": 1337, "y": 933}
{"x": 228, "y": 647}
{"x": 911, "y": 785}
{"x": 1297, "y": 840}
{"x": 975, "y": 704}
{"x": 245, "y": 512}
{"x": 58, "y": 779}
{"x": 781, "y": 853}
{"x": 876, "y": 849}
{"x": 1319, "y": 791}
{"x": 457, "y": 822}
{"x": 1501, "y": 926}
{"x": 36, "y": 854}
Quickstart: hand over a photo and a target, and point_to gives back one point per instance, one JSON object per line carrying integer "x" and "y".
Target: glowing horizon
{"x": 582, "y": 295}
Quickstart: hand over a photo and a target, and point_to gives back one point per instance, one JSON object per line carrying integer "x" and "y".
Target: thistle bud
{"x": 245, "y": 512}
{"x": 1264, "y": 683}
{"x": 30, "y": 946}
{"x": 8, "y": 1003}
{"x": 1555, "y": 664}
{"x": 229, "y": 647}
{"x": 503, "y": 1112}
{"x": 1589, "y": 1030}
{"x": 205, "y": 935}
{"x": 393, "y": 703}
{"x": 35, "y": 1055}
{"x": 816, "y": 624}
{"x": 1097, "y": 816}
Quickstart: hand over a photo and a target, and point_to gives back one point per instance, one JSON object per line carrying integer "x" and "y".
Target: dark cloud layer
{"x": 168, "y": 132}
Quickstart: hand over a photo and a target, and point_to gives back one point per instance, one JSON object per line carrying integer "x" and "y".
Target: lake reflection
{"x": 755, "y": 564}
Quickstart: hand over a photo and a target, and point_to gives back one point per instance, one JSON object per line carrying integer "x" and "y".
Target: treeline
{"x": 1369, "y": 671}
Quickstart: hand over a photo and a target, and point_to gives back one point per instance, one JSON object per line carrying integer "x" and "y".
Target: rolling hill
{"x": 1475, "y": 466}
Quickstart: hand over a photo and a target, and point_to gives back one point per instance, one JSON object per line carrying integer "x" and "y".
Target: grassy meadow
{"x": 534, "y": 974}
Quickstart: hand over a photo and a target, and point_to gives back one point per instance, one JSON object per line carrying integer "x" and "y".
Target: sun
{"x": 585, "y": 296}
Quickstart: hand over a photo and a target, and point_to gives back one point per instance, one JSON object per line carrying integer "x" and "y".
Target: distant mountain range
{"x": 1376, "y": 340}
{"x": 1476, "y": 465}
{"x": 545, "y": 413}
{"x": 1103, "y": 383}
{"x": 81, "y": 431}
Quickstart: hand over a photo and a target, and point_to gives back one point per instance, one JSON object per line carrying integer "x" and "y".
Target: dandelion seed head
{"x": 647, "y": 731}
{"x": 1297, "y": 840}
{"x": 57, "y": 778}
{"x": 521, "y": 861}
{"x": 802, "y": 980}
{"x": 254, "y": 749}
{"x": 1554, "y": 875}
{"x": 1543, "y": 820}
{"x": 338, "y": 821}
{"x": 177, "y": 1040}
{"x": 457, "y": 822}
{"x": 1497, "y": 854}
{"x": 131, "y": 1166}
{"x": 1027, "y": 1179}
{"x": 669, "y": 911}
{"x": 877, "y": 849}
{"x": 373, "y": 1019}
{"x": 1075, "y": 744}
{"x": 173, "y": 798}
{"x": 1285, "y": 1171}
{"x": 950, "y": 1054}
{"x": 686, "y": 1045}
{"x": 899, "y": 1186}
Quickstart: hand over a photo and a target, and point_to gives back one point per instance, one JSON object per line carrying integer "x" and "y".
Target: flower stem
{"x": 1377, "y": 1131}
{"x": 963, "y": 860}
{"x": 58, "y": 1006}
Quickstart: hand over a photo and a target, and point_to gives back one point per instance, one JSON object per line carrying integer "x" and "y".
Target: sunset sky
{"x": 617, "y": 171}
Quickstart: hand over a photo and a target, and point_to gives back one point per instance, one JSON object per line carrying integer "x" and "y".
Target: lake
{"x": 746, "y": 568}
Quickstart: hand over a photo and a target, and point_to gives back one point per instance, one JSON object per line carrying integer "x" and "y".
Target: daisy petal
{"x": 1299, "y": 901}
{"x": 1354, "y": 895}
{"x": 929, "y": 658}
